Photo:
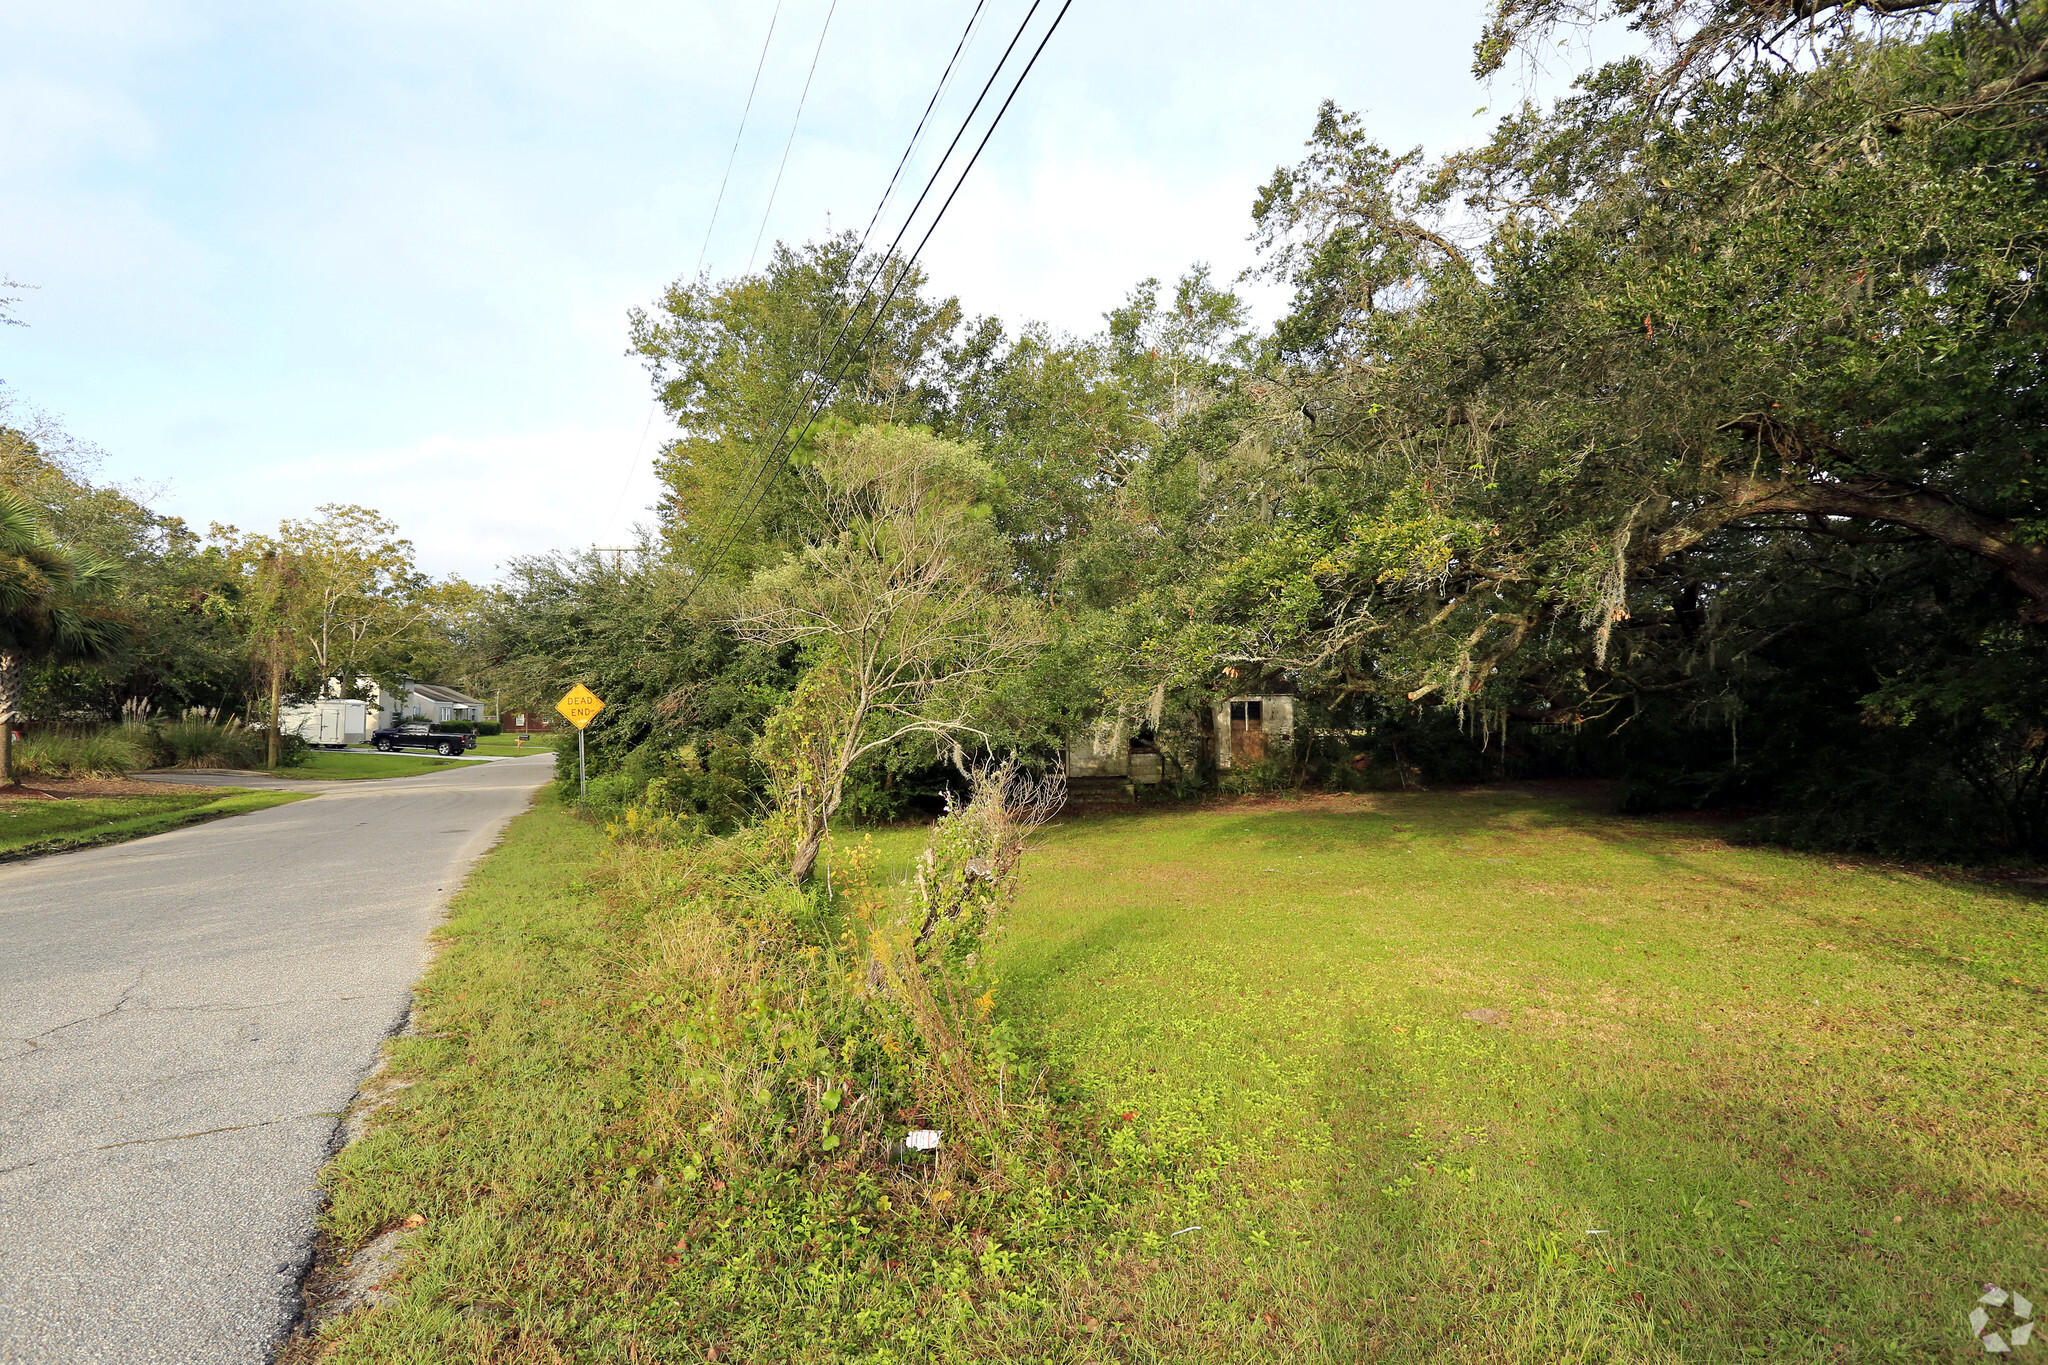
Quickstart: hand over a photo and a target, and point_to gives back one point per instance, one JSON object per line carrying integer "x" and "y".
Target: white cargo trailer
{"x": 332, "y": 724}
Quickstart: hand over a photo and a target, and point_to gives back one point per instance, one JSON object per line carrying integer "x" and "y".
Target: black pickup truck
{"x": 420, "y": 735}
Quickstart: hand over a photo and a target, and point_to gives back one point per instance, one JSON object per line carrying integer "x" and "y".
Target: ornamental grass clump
{"x": 195, "y": 742}
{"x": 102, "y": 751}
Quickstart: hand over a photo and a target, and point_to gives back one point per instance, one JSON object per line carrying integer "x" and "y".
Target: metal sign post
{"x": 579, "y": 707}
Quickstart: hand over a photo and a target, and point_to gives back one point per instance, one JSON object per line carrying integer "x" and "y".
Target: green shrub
{"x": 1254, "y": 779}
{"x": 489, "y": 727}
{"x": 680, "y": 791}
{"x": 610, "y": 793}
{"x": 106, "y": 751}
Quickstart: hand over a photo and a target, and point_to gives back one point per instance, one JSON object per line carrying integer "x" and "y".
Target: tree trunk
{"x": 276, "y": 698}
{"x": 818, "y": 818}
{"x": 807, "y": 851}
{"x": 10, "y": 703}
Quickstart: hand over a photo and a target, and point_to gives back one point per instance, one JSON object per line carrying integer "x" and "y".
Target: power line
{"x": 778, "y": 458}
{"x": 633, "y": 465}
{"x": 918, "y": 131}
{"x": 819, "y": 51}
{"x": 731, "y": 522}
{"x": 916, "y": 135}
{"x": 733, "y": 155}
{"x": 775, "y": 466}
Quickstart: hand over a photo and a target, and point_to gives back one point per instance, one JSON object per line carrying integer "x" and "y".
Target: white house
{"x": 421, "y": 701}
{"x": 1110, "y": 749}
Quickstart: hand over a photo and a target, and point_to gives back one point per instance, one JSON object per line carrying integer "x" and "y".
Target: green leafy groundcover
{"x": 31, "y": 828}
{"x": 656, "y": 1112}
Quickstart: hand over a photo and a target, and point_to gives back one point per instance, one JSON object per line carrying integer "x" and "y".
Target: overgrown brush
{"x": 677, "y": 1132}
{"x": 669, "y": 794}
{"x": 805, "y": 1035}
{"x": 879, "y": 1000}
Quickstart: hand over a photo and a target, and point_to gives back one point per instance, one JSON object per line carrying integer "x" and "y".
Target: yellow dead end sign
{"x": 580, "y": 708}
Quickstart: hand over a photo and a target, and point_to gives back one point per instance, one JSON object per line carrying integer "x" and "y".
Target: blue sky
{"x": 383, "y": 252}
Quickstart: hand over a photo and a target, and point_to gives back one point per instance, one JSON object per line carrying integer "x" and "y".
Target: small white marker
{"x": 1196, "y": 1228}
{"x": 923, "y": 1140}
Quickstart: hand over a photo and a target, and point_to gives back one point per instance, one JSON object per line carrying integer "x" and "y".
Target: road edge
{"x": 325, "y": 1283}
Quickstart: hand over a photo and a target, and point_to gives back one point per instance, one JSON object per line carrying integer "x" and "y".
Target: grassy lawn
{"x": 327, "y": 766}
{"x": 1726, "y": 1103}
{"x": 32, "y": 828}
{"x": 502, "y": 746}
{"x": 1718, "y": 1104}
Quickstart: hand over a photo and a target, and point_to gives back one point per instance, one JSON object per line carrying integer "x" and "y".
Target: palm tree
{"x": 54, "y": 605}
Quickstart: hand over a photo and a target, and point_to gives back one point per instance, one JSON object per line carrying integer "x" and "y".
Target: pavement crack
{"x": 115, "y": 1008}
{"x": 209, "y": 1132}
{"x": 210, "y": 1009}
{"x": 121, "y": 1007}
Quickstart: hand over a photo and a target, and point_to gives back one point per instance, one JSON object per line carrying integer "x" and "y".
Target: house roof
{"x": 433, "y": 692}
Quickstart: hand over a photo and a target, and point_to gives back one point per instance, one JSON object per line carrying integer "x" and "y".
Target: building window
{"x": 1247, "y": 715}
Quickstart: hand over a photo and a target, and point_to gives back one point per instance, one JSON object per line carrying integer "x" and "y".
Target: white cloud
{"x": 469, "y": 503}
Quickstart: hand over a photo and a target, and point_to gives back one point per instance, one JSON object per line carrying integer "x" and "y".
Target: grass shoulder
{"x": 32, "y": 828}
{"x": 641, "y": 1121}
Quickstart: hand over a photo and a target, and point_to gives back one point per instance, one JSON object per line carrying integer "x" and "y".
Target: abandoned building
{"x": 1249, "y": 729}
{"x": 1230, "y": 732}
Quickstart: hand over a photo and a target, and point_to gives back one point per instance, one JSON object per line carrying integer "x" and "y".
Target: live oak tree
{"x": 1677, "y": 314}
{"x": 1064, "y": 421}
{"x": 903, "y": 608}
{"x": 1068, "y": 423}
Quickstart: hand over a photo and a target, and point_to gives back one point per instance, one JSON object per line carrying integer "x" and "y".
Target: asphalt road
{"x": 182, "y": 1021}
